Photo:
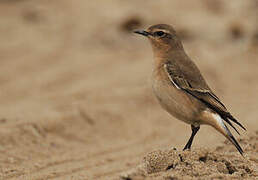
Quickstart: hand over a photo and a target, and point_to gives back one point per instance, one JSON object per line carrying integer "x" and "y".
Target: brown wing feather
{"x": 206, "y": 96}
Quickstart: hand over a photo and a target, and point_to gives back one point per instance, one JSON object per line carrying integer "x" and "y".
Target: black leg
{"x": 190, "y": 141}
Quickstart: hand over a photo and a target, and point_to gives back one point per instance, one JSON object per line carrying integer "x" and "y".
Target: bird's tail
{"x": 216, "y": 121}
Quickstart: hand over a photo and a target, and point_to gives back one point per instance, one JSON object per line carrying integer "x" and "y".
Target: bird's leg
{"x": 190, "y": 141}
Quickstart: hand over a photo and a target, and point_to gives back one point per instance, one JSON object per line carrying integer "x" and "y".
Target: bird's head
{"x": 163, "y": 37}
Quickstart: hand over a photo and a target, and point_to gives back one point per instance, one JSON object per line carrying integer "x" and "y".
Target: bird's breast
{"x": 175, "y": 101}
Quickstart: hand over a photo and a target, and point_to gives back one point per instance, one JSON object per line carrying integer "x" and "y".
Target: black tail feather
{"x": 235, "y": 121}
{"x": 224, "y": 114}
{"x": 227, "y": 121}
{"x": 234, "y": 141}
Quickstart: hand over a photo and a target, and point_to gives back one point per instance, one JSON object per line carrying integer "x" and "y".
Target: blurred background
{"x": 76, "y": 99}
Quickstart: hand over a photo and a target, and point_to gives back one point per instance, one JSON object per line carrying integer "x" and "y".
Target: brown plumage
{"x": 180, "y": 87}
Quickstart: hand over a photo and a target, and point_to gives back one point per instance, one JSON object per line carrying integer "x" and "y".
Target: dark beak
{"x": 144, "y": 33}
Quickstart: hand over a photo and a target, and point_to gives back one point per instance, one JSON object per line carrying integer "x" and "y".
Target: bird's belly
{"x": 176, "y": 102}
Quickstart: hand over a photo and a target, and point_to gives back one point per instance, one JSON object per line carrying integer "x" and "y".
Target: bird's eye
{"x": 159, "y": 33}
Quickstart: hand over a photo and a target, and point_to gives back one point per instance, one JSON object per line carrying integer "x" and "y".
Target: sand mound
{"x": 220, "y": 163}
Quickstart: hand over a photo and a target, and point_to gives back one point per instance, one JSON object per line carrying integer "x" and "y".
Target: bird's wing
{"x": 205, "y": 95}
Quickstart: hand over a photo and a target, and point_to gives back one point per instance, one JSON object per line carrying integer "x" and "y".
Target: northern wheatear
{"x": 180, "y": 87}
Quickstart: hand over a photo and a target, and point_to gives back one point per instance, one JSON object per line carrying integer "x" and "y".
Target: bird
{"x": 181, "y": 88}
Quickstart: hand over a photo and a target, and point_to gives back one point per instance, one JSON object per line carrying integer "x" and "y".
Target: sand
{"x": 202, "y": 163}
{"x": 76, "y": 100}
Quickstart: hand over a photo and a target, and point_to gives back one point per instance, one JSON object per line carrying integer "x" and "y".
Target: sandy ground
{"x": 76, "y": 101}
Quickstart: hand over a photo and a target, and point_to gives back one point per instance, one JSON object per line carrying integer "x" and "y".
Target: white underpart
{"x": 219, "y": 121}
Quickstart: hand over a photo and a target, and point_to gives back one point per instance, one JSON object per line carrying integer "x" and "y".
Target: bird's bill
{"x": 142, "y": 32}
